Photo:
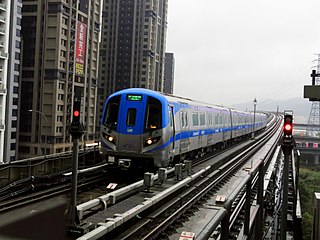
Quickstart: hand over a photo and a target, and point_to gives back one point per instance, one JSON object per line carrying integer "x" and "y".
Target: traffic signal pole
{"x": 76, "y": 130}
{"x": 286, "y": 146}
{"x": 74, "y": 182}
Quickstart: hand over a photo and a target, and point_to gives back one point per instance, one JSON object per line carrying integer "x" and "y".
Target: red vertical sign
{"x": 80, "y": 47}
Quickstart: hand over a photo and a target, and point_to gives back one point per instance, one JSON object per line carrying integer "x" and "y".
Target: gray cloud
{"x": 228, "y": 52}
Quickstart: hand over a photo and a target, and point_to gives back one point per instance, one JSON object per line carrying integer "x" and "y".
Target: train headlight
{"x": 150, "y": 141}
{"x": 109, "y": 138}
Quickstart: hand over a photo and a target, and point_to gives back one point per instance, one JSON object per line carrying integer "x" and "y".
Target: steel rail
{"x": 238, "y": 161}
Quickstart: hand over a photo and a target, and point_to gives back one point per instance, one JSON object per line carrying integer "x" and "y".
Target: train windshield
{"x": 112, "y": 112}
{"x": 153, "y": 114}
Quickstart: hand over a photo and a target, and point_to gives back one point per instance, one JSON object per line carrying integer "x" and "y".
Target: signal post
{"x": 76, "y": 130}
{"x": 286, "y": 146}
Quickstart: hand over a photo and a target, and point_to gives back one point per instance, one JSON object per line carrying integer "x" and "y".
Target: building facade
{"x": 10, "y": 42}
{"x": 168, "y": 73}
{"x": 132, "y": 45}
{"x": 59, "y": 66}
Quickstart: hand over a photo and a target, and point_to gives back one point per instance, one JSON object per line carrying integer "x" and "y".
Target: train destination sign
{"x": 131, "y": 97}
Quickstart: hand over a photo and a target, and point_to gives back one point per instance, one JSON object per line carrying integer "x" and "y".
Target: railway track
{"x": 166, "y": 206}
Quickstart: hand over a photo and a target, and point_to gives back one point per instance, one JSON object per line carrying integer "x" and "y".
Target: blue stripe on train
{"x": 184, "y": 135}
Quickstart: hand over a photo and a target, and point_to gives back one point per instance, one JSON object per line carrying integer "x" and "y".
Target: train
{"x": 141, "y": 127}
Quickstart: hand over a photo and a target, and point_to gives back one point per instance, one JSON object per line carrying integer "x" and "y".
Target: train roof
{"x": 175, "y": 98}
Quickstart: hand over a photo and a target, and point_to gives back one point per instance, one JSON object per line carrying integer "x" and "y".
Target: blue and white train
{"x": 140, "y": 127}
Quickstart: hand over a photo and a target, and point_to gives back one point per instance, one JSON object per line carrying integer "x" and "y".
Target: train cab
{"x": 134, "y": 126}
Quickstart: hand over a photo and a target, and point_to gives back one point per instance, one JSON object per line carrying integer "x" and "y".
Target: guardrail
{"x": 45, "y": 166}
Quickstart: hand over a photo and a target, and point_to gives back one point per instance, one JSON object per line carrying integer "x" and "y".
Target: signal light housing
{"x": 76, "y": 128}
{"x": 288, "y": 125}
{"x": 76, "y": 112}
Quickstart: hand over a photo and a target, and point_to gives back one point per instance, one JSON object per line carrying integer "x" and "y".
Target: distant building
{"x": 60, "y": 64}
{"x": 133, "y": 45}
{"x": 168, "y": 73}
{"x": 10, "y": 42}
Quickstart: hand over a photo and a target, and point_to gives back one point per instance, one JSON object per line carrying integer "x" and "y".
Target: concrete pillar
{"x": 316, "y": 217}
{"x": 316, "y": 160}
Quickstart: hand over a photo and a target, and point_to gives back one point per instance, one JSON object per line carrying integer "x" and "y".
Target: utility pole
{"x": 314, "y": 117}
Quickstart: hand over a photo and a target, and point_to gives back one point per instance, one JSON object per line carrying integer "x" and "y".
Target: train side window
{"x": 131, "y": 117}
{"x": 186, "y": 118}
{"x": 216, "y": 121}
{"x": 112, "y": 111}
{"x": 195, "y": 119}
{"x": 182, "y": 119}
{"x": 210, "y": 119}
{"x": 202, "y": 119}
{"x": 153, "y": 114}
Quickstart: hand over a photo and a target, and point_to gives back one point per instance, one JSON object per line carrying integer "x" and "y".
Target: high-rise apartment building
{"x": 10, "y": 30}
{"x": 132, "y": 45}
{"x": 168, "y": 73}
{"x": 60, "y": 64}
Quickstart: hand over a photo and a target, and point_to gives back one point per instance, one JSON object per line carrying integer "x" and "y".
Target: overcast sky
{"x": 231, "y": 51}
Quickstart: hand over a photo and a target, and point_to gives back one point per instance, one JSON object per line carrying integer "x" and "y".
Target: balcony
{"x": 2, "y": 31}
{"x": 2, "y": 19}
{"x": 1, "y": 124}
{"x": 3, "y": 7}
{"x": 3, "y": 89}
{"x": 3, "y": 55}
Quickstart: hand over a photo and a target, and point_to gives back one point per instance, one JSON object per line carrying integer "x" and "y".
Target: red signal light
{"x": 76, "y": 113}
{"x": 288, "y": 125}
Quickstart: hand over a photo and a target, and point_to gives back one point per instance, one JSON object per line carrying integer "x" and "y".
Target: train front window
{"x": 131, "y": 117}
{"x": 112, "y": 111}
{"x": 153, "y": 114}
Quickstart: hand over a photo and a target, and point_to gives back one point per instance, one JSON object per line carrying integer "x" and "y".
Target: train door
{"x": 202, "y": 136}
{"x": 131, "y": 125}
{"x": 171, "y": 131}
{"x": 224, "y": 126}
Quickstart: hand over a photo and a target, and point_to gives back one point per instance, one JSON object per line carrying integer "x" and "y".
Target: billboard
{"x": 81, "y": 47}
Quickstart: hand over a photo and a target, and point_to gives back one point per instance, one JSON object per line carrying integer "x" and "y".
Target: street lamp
{"x": 45, "y": 136}
{"x": 254, "y": 116}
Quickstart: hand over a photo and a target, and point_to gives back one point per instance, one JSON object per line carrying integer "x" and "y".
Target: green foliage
{"x": 309, "y": 182}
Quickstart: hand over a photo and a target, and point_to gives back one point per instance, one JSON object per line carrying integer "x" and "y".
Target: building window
{"x": 13, "y": 135}
{"x": 18, "y": 21}
{"x": 15, "y": 90}
{"x": 15, "y": 101}
{"x": 62, "y": 64}
{"x": 17, "y": 56}
{"x": 60, "y": 96}
{"x": 63, "y": 53}
{"x": 18, "y": 44}
{"x": 17, "y": 67}
{"x": 14, "y": 112}
{"x": 14, "y": 123}
{"x": 13, "y": 146}
{"x": 16, "y": 78}
{"x": 63, "y": 42}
